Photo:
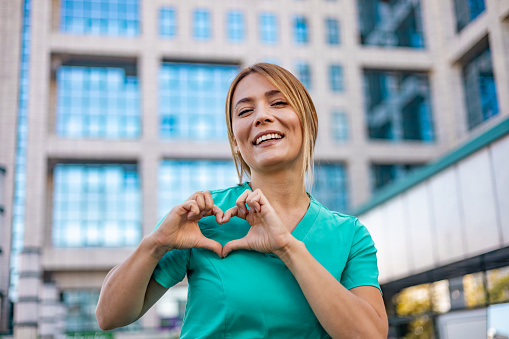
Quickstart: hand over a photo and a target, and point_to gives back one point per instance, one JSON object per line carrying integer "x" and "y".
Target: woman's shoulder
{"x": 327, "y": 215}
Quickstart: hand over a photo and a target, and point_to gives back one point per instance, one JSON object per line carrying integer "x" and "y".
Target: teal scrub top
{"x": 250, "y": 294}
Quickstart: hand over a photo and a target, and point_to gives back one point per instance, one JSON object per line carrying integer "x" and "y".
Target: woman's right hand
{"x": 180, "y": 230}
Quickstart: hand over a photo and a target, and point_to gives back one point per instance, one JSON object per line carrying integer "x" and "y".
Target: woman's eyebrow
{"x": 272, "y": 92}
{"x": 243, "y": 100}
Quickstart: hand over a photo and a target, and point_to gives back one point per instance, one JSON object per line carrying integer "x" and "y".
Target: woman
{"x": 263, "y": 259}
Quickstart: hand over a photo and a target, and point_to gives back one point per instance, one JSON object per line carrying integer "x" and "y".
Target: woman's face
{"x": 267, "y": 130}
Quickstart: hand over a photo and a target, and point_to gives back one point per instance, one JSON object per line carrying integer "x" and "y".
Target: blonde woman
{"x": 263, "y": 259}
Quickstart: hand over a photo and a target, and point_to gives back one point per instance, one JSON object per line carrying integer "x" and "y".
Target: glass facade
{"x": 18, "y": 207}
{"x": 192, "y": 98}
{"x": 168, "y": 22}
{"x": 80, "y": 310}
{"x": 268, "y": 28}
{"x": 466, "y": 11}
{"x": 385, "y": 174}
{"x": 236, "y": 29}
{"x": 330, "y": 186}
{"x": 336, "y": 81}
{"x": 304, "y": 74}
{"x": 339, "y": 125}
{"x": 332, "y": 35}
{"x": 96, "y": 205}
{"x": 398, "y": 106}
{"x": 202, "y": 25}
{"x": 97, "y": 102}
{"x": 391, "y": 23}
{"x": 100, "y": 17}
{"x": 480, "y": 89}
{"x": 300, "y": 30}
{"x": 178, "y": 179}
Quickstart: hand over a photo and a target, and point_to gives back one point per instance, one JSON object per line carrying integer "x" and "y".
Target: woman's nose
{"x": 263, "y": 116}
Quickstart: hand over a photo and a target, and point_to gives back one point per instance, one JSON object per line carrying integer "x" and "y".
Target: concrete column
{"x": 27, "y": 307}
{"x": 49, "y": 309}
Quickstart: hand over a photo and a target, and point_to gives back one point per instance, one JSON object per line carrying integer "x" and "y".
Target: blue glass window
{"x": 178, "y": 179}
{"x": 96, "y": 205}
{"x": 192, "y": 98}
{"x": 18, "y": 207}
{"x": 330, "y": 186}
{"x": 332, "y": 31}
{"x": 167, "y": 22}
{"x": 339, "y": 126}
{"x": 398, "y": 105}
{"x": 236, "y": 29}
{"x": 101, "y": 17}
{"x": 336, "y": 78}
{"x": 300, "y": 30}
{"x": 391, "y": 23}
{"x": 467, "y": 11}
{"x": 304, "y": 74}
{"x": 480, "y": 89}
{"x": 384, "y": 174}
{"x": 268, "y": 28}
{"x": 201, "y": 24}
{"x": 97, "y": 102}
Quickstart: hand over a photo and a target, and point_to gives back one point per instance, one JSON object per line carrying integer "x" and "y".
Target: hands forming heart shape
{"x": 180, "y": 230}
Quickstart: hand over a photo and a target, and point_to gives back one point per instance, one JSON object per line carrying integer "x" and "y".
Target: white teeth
{"x": 267, "y": 137}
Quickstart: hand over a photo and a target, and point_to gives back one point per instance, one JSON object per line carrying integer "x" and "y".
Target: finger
{"x": 253, "y": 201}
{"x": 192, "y": 209}
{"x": 232, "y": 212}
{"x": 200, "y": 200}
{"x": 210, "y": 244}
{"x": 241, "y": 204}
{"x": 218, "y": 214}
{"x": 209, "y": 203}
{"x": 235, "y": 245}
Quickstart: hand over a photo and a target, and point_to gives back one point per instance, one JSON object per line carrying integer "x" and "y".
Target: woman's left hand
{"x": 267, "y": 234}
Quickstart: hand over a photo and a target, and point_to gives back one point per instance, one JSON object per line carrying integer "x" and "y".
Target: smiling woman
{"x": 263, "y": 259}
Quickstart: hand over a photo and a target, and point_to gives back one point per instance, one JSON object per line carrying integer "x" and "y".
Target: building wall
{"x": 10, "y": 23}
{"x": 442, "y": 60}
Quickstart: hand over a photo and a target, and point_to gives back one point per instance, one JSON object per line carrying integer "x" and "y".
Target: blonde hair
{"x": 298, "y": 98}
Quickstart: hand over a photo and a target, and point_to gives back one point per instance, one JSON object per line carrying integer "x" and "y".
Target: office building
{"x": 112, "y": 112}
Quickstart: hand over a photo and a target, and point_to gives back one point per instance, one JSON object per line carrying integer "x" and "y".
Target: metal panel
{"x": 500, "y": 168}
{"x": 400, "y": 255}
{"x": 446, "y": 216}
{"x": 478, "y": 203}
{"x": 374, "y": 221}
{"x": 419, "y": 225}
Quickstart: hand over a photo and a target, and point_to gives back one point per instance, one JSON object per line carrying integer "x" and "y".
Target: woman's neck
{"x": 286, "y": 193}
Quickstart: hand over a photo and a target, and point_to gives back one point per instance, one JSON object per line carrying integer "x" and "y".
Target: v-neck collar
{"x": 301, "y": 230}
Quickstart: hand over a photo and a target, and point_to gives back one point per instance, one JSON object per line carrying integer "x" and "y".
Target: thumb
{"x": 235, "y": 245}
{"x": 210, "y": 244}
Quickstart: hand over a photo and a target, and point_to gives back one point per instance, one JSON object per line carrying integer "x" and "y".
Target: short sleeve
{"x": 361, "y": 268}
{"x": 172, "y": 267}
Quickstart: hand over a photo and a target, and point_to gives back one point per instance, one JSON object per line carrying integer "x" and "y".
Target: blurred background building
{"x": 112, "y": 111}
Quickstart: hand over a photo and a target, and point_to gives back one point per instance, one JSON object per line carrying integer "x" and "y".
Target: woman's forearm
{"x": 341, "y": 313}
{"x": 123, "y": 291}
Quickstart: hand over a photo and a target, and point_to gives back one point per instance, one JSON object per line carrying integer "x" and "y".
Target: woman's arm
{"x": 128, "y": 290}
{"x": 355, "y": 313}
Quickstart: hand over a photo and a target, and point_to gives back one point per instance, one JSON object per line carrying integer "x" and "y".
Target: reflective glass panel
{"x": 304, "y": 74}
{"x": 336, "y": 78}
{"x": 235, "y": 26}
{"x": 466, "y": 11}
{"x": 97, "y": 102}
{"x": 391, "y": 23}
{"x": 179, "y": 179}
{"x": 300, "y": 30}
{"x": 96, "y": 205}
{"x": 398, "y": 105}
{"x": 100, "y": 17}
{"x": 480, "y": 89}
{"x": 332, "y": 31}
{"x": 339, "y": 126}
{"x": 168, "y": 22}
{"x": 202, "y": 24}
{"x": 192, "y": 99}
{"x": 330, "y": 186}
{"x": 268, "y": 28}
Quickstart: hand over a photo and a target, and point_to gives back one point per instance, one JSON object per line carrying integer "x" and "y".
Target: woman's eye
{"x": 279, "y": 103}
{"x": 244, "y": 111}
